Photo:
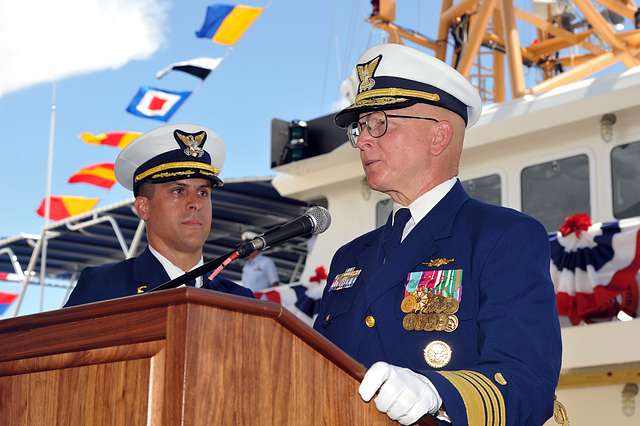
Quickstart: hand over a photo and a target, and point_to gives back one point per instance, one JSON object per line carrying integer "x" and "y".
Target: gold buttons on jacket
{"x": 498, "y": 377}
{"x": 370, "y": 320}
{"x": 327, "y": 318}
{"x": 437, "y": 354}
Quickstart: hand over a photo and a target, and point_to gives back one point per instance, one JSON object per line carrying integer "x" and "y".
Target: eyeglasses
{"x": 376, "y": 124}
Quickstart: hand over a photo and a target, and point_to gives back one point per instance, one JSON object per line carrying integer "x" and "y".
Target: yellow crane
{"x": 574, "y": 39}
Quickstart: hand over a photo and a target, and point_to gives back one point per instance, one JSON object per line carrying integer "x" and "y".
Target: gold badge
{"x": 141, "y": 289}
{"x": 192, "y": 142}
{"x": 365, "y": 74}
{"x": 441, "y": 261}
{"x": 437, "y": 354}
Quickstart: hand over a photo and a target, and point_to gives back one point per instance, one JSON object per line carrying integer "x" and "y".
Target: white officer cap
{"x": 172, "y": 152}
{"x": 393, "y": 76}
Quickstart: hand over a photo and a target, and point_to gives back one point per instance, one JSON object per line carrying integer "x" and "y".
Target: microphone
{"x": 315, "y": 221}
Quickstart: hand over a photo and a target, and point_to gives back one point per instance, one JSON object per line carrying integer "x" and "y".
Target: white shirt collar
{"x": 422, "y": 205}
{"x": 172, "y": 270}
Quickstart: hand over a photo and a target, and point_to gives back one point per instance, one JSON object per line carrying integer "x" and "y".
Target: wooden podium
{"x": 177, "y": 357}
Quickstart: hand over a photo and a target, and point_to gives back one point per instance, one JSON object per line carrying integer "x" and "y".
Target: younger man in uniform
{"x": 172, "y": 171}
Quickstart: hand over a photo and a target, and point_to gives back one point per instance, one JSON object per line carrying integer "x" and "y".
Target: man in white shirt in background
{"x": 259, "y": 272}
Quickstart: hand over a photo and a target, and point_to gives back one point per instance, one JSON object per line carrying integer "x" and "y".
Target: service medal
{"x": 452, "y": 323}
{"x": 431, "y": 321}
{"x": 409, "y": 321}
{"x": 452, "y": 305}
{"x": 441, "y": 321}
{"x": 421, "y": 320}
{"x": 408, "y": 304}
{"x": 439, "y": 304}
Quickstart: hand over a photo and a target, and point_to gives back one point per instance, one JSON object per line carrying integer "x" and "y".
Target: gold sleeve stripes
{"x": 482, "y": 399}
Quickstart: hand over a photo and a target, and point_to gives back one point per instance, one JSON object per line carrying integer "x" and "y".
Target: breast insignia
{"x": 440, "y": 261}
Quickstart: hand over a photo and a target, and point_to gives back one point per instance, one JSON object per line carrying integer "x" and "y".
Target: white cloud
{"x": 44, "y": 39}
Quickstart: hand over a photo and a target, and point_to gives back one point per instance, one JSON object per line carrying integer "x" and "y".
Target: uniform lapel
{"x": 367, "y": 260}
{"x": 420, "y": 244}
{"x": 371, "y": 254}
{"x": 148, "y": 271}
{"x": 363, "y": 258}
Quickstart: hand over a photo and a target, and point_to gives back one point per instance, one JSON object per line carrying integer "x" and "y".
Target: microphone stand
{"x": 215, "y": 265}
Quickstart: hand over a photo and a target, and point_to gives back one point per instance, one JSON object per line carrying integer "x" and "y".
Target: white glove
{"x": 404, "y": 395}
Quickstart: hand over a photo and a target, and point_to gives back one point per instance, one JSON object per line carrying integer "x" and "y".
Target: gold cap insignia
{"x": 436, "y": 263}
{"x": 141, "y": 289}
{"x": 191, "y": 142}
{"x": 437, "y": 354}
{"x": 365, "y": 74}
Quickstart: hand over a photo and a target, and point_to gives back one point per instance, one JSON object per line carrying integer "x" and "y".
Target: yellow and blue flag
{"x": 225, "y": 23}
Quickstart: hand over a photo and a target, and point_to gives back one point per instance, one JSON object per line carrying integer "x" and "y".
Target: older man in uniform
{"x": 172, "y": 171}
{"x": 450, "y": 303}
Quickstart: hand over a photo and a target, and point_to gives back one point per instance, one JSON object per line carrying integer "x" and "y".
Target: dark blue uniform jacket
{"x": 506, "y": 350}
{"x": 133, "y": 276}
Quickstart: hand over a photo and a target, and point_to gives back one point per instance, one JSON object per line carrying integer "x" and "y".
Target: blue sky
{"x": 288, "y": 65}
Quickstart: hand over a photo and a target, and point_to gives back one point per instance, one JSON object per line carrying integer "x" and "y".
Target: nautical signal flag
{"x": 225, "y": 23}
{"x": 116, "y": 139}
{"x": 64, "y": 206}
{"x": 157, "y": 104}
{"x": 101, "y": 175}
{"x": 6, "y": 299}
{"x": 198, "y": 67}
{"x": 9, "y": 276}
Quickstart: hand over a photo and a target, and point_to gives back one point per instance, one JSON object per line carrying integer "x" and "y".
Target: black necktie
{"x": 392, "y": 242}
{"x": 191, "y": 283}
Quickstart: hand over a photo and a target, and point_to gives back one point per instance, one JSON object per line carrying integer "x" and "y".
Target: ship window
{"x": 625, "y": 171}
{"x": 556, "y": 189}
{"x": 485, "y": 188}
{"x": 383, "y": 210}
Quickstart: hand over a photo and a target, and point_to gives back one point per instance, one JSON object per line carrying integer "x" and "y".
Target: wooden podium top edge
{"x": 181, "y": 296}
